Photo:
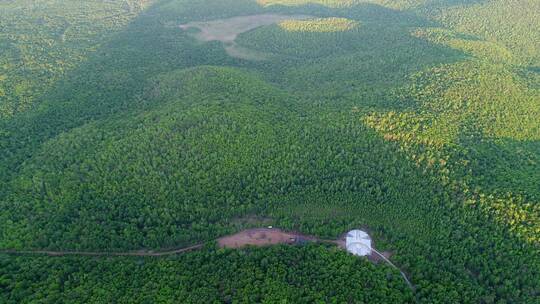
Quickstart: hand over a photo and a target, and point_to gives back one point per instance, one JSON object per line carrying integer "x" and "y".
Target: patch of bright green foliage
{"x": 320, "y": 25}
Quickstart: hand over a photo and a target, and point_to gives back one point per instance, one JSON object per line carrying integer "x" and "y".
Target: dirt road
{"x": 250, "y": 237}
{"x": 253, "y": 237}
{"x": 101, "y": 253}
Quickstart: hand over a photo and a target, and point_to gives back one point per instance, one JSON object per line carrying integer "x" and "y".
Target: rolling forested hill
{"x": 418, "y": 119}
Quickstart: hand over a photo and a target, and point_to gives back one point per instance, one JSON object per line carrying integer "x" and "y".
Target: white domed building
{"x": 358, "y": 243}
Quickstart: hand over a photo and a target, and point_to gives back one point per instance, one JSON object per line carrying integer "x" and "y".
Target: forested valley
{"x": 416, "y": 119}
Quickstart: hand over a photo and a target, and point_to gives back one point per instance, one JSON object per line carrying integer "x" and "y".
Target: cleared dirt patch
{"x": 262, "y": 237}
{"x": 226, "y": 31}
{"x": 250, "y": 237}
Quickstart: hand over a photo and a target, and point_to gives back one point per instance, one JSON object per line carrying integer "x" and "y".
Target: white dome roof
{"x": 358, "y": 242}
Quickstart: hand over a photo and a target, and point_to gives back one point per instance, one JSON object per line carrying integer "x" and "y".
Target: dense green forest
{"x": 417, "y": 119}
{"x": 307, "y": 274}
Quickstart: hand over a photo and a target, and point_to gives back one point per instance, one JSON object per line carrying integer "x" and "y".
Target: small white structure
{"x": 358, "y": 242}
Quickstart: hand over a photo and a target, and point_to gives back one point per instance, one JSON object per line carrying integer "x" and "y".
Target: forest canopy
{"x": 416, "y": 120}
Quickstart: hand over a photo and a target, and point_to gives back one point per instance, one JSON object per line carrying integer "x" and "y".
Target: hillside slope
{"x": 415, "y": 119}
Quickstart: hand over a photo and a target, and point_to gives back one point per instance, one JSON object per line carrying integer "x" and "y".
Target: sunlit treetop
{"x": 319, "y": 25}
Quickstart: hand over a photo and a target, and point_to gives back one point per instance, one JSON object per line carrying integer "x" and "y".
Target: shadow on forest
{"x": 334, "y": 162}
{"x": 113, "y": 80}
{"x": 373, "y": 59}
{"x": 534, "y": 69}
{"x": 505, "y": 166}
{"x": 114, "y": 77}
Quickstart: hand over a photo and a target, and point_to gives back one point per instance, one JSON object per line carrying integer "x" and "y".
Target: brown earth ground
{"x": 262, "y": 237}
{"x": 274, "y": 236}
{"x": 250, "y": 237}
{"x": 227, "y": 30}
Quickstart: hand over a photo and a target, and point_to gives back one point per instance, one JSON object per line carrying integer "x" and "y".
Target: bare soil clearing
{"x": 97, "y": 254}
{"x": 250, "y": 237}
{"x": 262, "y": 237}
{"x": 226, "y": 31}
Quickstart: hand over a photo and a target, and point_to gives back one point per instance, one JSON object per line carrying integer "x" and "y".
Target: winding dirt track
{"x": 250, "y": 237}
{"x": 94, "y": 253}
